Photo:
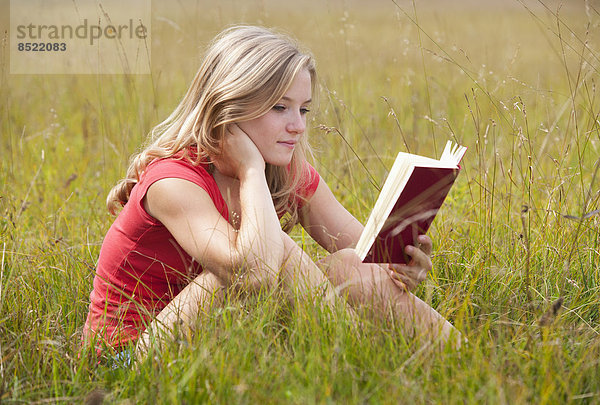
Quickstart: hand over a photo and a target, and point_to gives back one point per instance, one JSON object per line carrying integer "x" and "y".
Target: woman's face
{"x": 277, "y": 132}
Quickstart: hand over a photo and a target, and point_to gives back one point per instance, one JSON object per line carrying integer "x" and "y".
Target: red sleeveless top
{"x": 141, "y": 267}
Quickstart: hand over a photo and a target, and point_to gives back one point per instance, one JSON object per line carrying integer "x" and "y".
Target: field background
{"x": 515, "y": 81}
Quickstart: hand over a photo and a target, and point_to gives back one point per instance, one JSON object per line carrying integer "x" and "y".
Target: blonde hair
{"x": 245, "y": 72}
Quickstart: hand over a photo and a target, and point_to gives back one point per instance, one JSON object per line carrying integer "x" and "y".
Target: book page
{"x": 453, "y": 153}
{"x": 416, "y": 160}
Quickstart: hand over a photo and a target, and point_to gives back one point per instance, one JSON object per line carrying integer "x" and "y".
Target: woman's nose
{"x": 297, "y": 124}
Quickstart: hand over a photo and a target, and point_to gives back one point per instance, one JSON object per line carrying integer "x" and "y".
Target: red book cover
{"x": 412, "y": 214}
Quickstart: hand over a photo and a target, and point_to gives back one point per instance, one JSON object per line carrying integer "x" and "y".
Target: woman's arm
{"x": 328, "y": 222}
{"x": 188, "y": 212}
{"x": 334, "y": 228}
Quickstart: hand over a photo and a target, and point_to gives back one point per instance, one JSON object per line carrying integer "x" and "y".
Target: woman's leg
{"x": 299, "y": 275}
{"x": 369, "y": 286}
{"x": 196, "y": 298}
{"x": 366, "y": 286}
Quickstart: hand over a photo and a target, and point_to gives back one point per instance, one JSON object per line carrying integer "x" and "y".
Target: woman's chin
{"x": 279, "y": 162}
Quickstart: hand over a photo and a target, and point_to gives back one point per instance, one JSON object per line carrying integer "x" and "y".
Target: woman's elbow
{"x": 253, "y": 270}
{"x": 254, "y": 274}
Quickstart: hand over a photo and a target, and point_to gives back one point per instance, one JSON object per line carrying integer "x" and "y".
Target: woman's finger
{"x": 419, "y": 258}
{"x": 410, "y": 275}
{"x": 402, "y": 281}
{"x": 413, "y": 273}
{"x": 396, "y": 279}
{"x": 425, "y": 244}
{"x": 416, "y": 274}
{"x": 235, "y": 129}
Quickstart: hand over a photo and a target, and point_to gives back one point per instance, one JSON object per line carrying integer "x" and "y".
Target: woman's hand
{"x": 238, "y": 154}
{"x": 409, "y": 276}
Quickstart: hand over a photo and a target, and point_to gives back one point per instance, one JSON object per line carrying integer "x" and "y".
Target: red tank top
{"x": 141, "y": 266}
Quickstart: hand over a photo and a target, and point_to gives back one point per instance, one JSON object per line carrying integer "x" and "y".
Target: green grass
{"x": 517, "y": 83}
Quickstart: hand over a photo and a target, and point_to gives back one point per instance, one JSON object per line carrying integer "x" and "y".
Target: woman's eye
{"x": 304, "y": 110}
{"x": 279, "y": 107}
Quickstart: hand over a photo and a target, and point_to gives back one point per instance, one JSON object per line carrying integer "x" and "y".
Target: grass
{"x": 515, "y": 82}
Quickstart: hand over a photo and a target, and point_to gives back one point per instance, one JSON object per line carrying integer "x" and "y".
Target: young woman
{"x": 207, "y": 204}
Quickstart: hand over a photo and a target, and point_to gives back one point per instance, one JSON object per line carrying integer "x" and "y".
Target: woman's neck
{"x": 229, "y": 187}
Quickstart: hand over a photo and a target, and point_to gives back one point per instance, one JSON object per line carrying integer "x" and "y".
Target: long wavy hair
{"x": 245, "y": 72}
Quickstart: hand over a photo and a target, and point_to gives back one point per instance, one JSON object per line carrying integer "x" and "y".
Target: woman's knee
{"x": 342, "y": 260}
{"x": 343, "y": 268}
{"x": 362, "y": 281}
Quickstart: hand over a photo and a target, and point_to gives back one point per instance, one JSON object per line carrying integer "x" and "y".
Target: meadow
{"x": 516, "y": 261}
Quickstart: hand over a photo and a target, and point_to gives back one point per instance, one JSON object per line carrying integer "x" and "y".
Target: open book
{"x": 413, "y": 192}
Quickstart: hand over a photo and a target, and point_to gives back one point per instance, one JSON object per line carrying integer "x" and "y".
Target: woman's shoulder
{"x": 182, "y": 165}
{"x": 309, "y": 181}
{"x": 184, "y": 162}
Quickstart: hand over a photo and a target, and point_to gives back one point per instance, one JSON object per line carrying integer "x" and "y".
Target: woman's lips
{"x": 288, "y": 144}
